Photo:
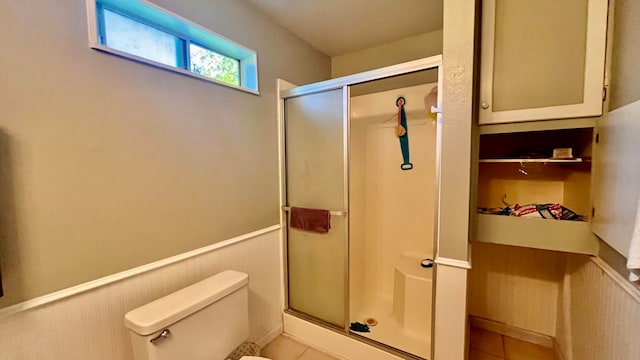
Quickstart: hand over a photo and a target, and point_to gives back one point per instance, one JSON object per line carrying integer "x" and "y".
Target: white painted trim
{"x": 631, "y": 289}
{"x": 411, "y": 66}
{"x": 92, "y": 23}
{"x": 68, "y": 292}
{"x": 331, "y": 342}
{"x": 270, "y": 336}
{"x": 139, "y": 59}
{"x": 462, "y": 264}
{"x": 486, "y": 59}
{"x": 450, "y": 315}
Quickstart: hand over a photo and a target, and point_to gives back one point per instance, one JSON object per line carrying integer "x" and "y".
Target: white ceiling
{"x": 336, "y": 27}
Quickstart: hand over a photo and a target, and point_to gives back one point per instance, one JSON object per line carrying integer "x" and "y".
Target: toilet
{"x": 205, "y": 321}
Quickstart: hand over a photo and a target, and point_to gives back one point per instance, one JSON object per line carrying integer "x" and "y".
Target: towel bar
{"x": 332, "y": 212}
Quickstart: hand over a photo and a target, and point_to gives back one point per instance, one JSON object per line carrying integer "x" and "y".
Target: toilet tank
{"x": 204, "y": 321}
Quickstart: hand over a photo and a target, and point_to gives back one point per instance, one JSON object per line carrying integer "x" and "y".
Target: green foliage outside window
{"x": 210, "y": 64}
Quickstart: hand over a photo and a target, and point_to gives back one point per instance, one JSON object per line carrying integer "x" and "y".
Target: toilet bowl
{"x": 204, "y": 321}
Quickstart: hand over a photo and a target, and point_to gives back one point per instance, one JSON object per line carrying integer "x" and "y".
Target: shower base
{"x": 389, "y": 331}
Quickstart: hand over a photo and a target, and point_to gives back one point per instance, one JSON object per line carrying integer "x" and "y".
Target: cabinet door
{"x": 542, "y": 59}
{"x": 616, "y": 176}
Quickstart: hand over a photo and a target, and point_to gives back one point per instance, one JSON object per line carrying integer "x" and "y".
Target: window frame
{"x": 186, "y": 31}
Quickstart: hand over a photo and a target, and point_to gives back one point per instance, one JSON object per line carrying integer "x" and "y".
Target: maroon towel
{"x": 312, "y": 220}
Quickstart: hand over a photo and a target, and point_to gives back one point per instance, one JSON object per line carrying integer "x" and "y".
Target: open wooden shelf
{"x": 511, "y": 172}
{"x": 543, "y": 161}
{"x": 548, "y": 234}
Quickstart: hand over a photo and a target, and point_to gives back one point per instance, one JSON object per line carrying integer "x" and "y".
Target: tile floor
{"x": 285, "y": 348}
{"x": 486, "y": 345}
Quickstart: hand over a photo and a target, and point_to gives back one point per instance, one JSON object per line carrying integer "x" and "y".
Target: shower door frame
{"x": 345, "y": 82}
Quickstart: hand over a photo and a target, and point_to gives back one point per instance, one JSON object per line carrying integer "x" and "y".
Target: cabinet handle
{"x": 485, "y": 105}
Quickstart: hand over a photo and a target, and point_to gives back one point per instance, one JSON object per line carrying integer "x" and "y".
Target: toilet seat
{"x": 253, "y": 358}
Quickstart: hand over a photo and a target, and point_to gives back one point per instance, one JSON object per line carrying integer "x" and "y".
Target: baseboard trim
{"x": 75, "y": 290}
{"x": 513, "y": 332}
{"x": 270, "y": 336}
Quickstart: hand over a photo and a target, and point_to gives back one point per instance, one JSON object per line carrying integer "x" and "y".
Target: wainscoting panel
{"x": 603, "y": 319}
{"x": 89, "y": 325}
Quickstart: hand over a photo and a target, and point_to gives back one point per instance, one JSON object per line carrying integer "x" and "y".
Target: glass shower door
{"x": 316, "y": 178}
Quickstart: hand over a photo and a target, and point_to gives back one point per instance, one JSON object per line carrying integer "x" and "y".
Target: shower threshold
{"x": 389, "y": 331}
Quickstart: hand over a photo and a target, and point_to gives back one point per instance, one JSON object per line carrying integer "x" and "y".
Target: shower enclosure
{"x": 369, "y": 276}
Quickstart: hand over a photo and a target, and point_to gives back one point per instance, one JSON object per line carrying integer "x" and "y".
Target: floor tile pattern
{"x": 486, "y": 345}
{"x": 285, "y": 348}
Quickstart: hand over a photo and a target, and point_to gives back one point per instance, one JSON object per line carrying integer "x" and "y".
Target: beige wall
{"x": 411, "y": 48}
{"x": 107, "y": 164}
{"x": 625, "y": 67}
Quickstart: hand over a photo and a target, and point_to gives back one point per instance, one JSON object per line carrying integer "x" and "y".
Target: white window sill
{"x": 125, "y": 55}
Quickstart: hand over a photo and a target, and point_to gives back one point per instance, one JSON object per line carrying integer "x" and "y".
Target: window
{"x": 211, "y": 64}
{"x": 130, "y": 36}
{"x": 142, "y": 31}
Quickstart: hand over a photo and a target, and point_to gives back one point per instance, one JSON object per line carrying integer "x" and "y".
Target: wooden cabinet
{"x": 542, "y": 59}
{"x": 518, "y": 168}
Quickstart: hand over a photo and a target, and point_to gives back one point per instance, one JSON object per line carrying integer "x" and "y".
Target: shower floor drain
{"x": 371, "y": 321}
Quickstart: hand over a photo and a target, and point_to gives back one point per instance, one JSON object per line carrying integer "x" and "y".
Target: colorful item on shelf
{"x": 544, "y": 211}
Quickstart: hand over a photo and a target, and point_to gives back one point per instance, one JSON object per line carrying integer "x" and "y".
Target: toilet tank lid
{"x": 165, "y": 311}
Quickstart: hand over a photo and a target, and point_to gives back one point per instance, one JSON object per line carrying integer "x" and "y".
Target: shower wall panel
{"x": 392, "y": 211}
